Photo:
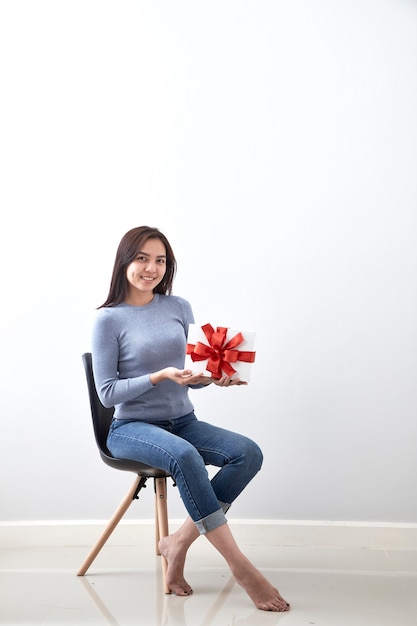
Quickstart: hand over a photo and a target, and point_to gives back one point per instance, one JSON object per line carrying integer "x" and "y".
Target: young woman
{"x": 138, "y": 348}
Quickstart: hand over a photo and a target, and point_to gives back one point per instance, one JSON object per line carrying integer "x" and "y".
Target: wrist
{"x": 156, "y": 378}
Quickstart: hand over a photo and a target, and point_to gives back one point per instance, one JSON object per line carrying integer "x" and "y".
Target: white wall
{"x": 275, "y": 143}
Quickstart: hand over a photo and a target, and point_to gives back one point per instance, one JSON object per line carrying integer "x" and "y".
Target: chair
{"x": 102, "y": 418}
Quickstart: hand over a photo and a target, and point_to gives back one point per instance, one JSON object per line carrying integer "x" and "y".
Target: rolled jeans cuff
{"x": 225, "y": 506}
{"x": 214, "y": 520}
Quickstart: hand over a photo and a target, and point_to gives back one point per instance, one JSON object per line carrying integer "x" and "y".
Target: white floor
{"x": 326, "y": 586}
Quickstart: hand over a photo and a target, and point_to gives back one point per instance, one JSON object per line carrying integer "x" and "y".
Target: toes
{"x": 276, "y": 606}
{"x": 181, "y": 591}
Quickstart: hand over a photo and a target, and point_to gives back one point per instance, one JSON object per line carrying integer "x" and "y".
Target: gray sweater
{"x": 128, "y": 344}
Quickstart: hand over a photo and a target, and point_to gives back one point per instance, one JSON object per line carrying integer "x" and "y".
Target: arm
{"x": 110, "y": 387}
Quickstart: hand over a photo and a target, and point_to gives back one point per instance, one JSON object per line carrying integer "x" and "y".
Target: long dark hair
{"x": 130, "y": 244}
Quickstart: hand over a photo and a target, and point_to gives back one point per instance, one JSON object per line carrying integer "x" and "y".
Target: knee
{"x": 254, "y": 456}
{"x": 186, "y": 460}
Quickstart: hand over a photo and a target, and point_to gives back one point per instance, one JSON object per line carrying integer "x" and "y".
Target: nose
{"x": 151, "y": 266}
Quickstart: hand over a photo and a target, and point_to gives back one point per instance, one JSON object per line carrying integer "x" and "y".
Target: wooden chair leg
{"x": 157, "y": 535}
{"x": 162, "y": 521}
{"x": 117, "y": 516}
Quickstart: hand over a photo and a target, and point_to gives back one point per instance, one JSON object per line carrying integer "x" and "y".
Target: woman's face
{"x": 146, "y": 271}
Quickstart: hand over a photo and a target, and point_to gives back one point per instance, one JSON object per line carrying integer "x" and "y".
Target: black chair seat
{"x": 133, "y": 466}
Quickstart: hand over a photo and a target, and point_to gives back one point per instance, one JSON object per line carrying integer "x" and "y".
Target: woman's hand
{"x": 181, "y": 377}
{"x": 186, "y": 377}
{"x": 226, "y": 381}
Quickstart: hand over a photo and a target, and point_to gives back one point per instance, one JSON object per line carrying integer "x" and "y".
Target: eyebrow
{"x": 159, "y": 256}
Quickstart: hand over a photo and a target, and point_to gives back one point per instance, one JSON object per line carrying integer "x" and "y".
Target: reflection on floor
{"x": 326, "y": 587}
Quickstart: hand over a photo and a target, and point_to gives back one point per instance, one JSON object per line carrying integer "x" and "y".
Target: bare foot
{"x": 259, "y": 589}
{"x": 174, "y": 554}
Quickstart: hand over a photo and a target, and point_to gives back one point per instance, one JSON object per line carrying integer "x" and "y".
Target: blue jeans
{"x": 183, "y": 447}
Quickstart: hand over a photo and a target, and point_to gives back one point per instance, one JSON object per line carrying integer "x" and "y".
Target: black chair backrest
{"x": 101, "y": 416}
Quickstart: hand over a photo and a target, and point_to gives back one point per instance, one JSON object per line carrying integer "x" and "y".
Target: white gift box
{"x": 220, "y": 347}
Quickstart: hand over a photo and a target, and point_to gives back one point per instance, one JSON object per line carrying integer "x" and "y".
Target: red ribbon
{"x": 219, "y": 354}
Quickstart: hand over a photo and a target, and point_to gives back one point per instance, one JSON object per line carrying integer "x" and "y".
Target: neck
{"x": 139, "y": 299}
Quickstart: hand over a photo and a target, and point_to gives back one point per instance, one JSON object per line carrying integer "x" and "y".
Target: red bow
{"x": 219, "y": 354}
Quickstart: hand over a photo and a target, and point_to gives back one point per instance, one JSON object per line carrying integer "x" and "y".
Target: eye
{"x": 141, "y": 258}
{"x": 162, "y": 261}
